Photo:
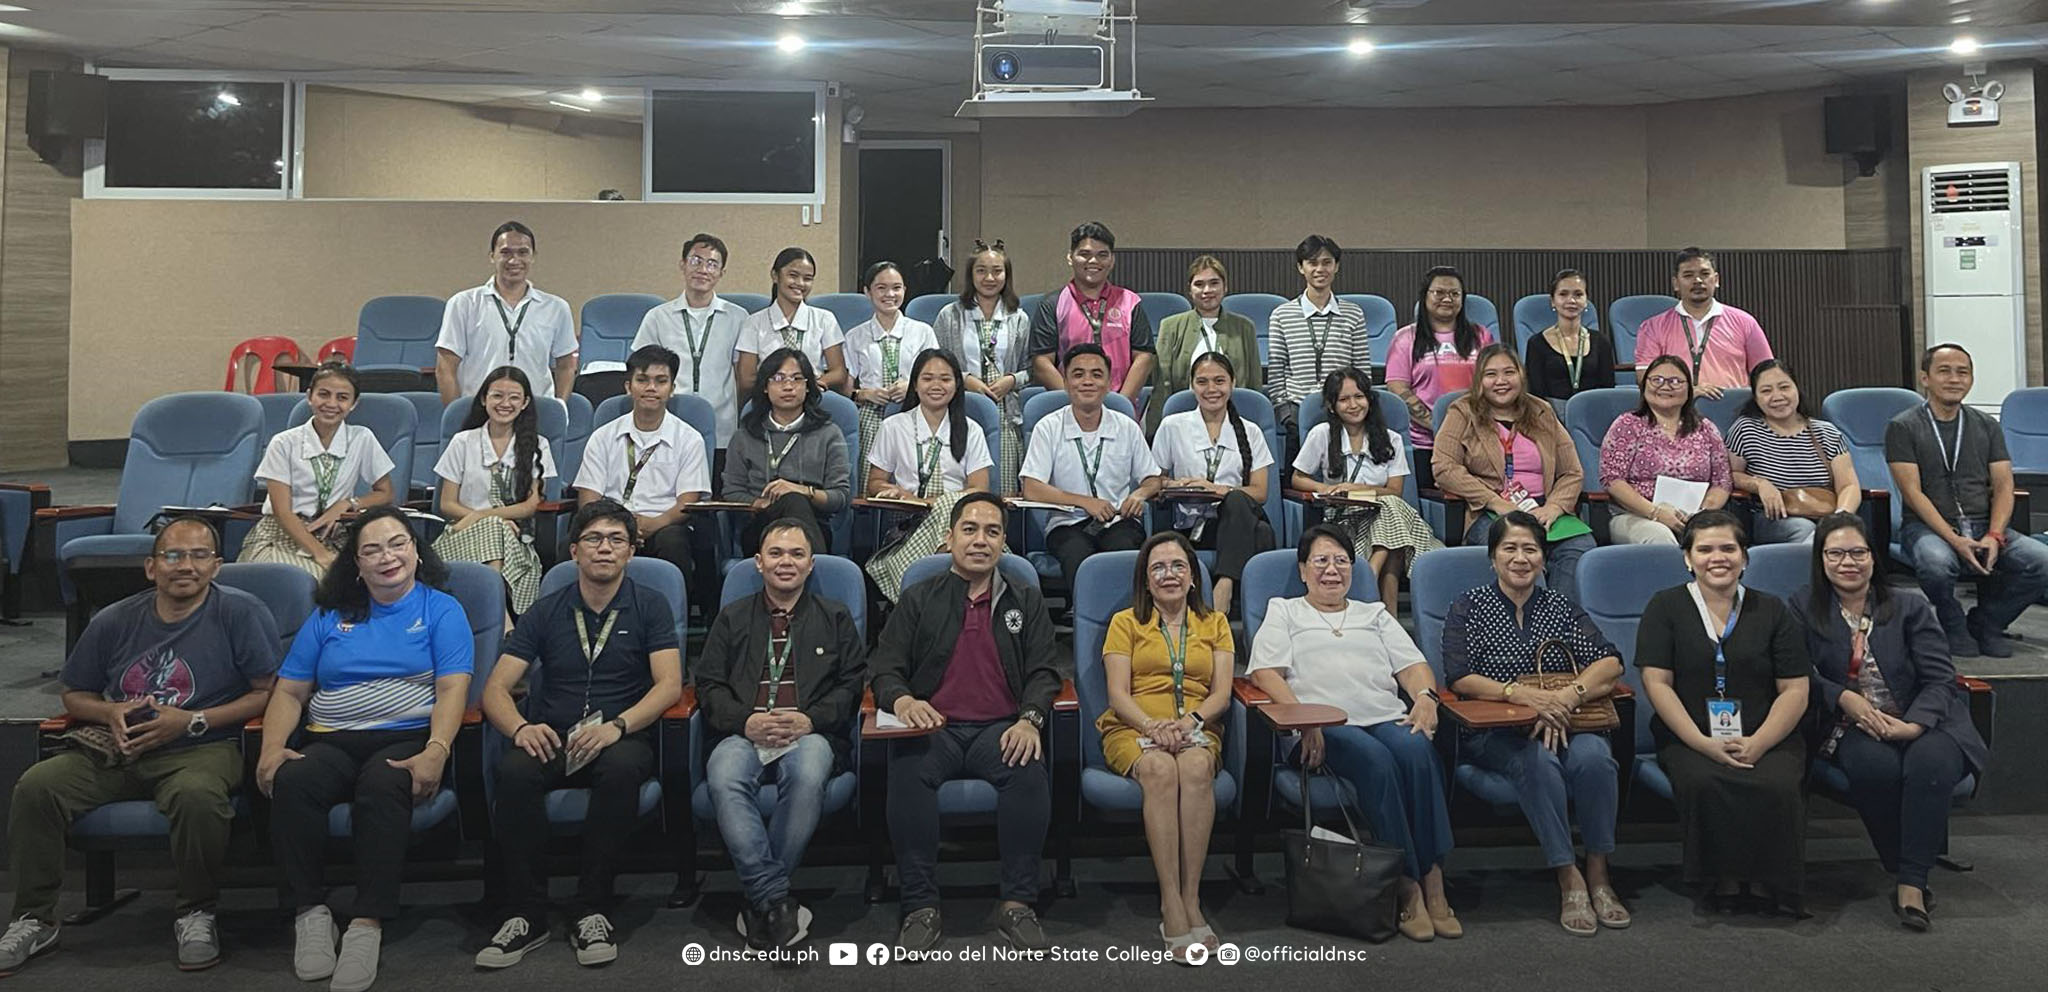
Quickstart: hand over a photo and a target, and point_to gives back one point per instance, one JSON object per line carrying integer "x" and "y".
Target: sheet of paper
{"x": 1324, "y": 834}
{"x": 885, "y": 720}
{"x": 1680, "y": 494}
{"x": 1032, "y": 504}
{"x": 767, "y": 755}
{"x": 570, "y": 763}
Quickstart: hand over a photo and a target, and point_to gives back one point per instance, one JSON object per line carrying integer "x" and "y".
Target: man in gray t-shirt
{"x": 1955, "y": 486}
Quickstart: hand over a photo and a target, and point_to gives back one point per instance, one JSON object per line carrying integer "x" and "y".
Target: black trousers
{"x": 789, "y": 505}
{"x": 1239, "y": 531}
{"x": 692, "y": 547}
{"x": 519, "y": 817}
{"x": 919, "y": 765}
{"x": 1073, "y": 543}
{"x": 1903, "y": 790}
{"x": 346, "y": 766}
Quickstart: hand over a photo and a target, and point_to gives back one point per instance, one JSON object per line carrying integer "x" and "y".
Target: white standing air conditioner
{"x": 1975, "y": 272}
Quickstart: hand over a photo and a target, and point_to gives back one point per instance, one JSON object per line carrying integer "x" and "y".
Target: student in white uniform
{"x": 506, "y": 321}
{"x": 1094, "y": 460}
{"x": 654, "y": 464}
{"x": 789, "y": 322}
{"x": 931, "y": 454}
{"x": 1369, "y": 464}
{"x": 704, "y": 332}
{"x": 311, "y": 473}
{"x": 492, "y": 473}
{"x": 878, "y": 352}
{"x": 990, "y": 336}
{"x": 1212, "y": 449}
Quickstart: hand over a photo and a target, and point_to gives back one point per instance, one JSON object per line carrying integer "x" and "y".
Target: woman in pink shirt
{"x": 1422, "y": 368}
{"x": 1664, "y": 438}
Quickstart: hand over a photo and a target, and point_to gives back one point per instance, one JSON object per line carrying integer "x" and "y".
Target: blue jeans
{"x": 1561, "y": 560}
{"x": 2016, "y": 579}
{"x": 1790, "y": 530}
{"x": 1400, "y": 784}
{"x": 1586, "y": 774}
{"x": 765, "y": 850}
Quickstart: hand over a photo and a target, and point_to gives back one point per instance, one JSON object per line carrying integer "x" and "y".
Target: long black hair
{"x": 342, "y": 590}
{"x": 1821, "y": 593}
{"x": 754, "y": 413}
{"x": 1244, "y": 446}
{"x": 956, "y": 409}
{"x": 1465, "y": 335}
{"x": 1689, "y": 414}
{"x": 1378, "y": 446}
{"x": 783, "y": 259}
{"x": 526, "y": 467}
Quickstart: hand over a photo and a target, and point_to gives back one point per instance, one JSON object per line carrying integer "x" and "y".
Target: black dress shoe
{"x": 1911, "y": 917}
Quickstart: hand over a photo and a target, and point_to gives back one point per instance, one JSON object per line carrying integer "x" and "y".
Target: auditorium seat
{"x": 926, "y": 308}
{"x": 552, "y": 420}
{"x": 582, "y": 420}
{"x": 1159, "y": 306}
{"x": 1587, "y": 416}
{"x": 398, "y": 332}
{"x": 1481, "y": 311}
{"x": 1255, "y": 409}
{"x": 427, "y": 441}
{"x": 850, "y": 309}
{"x": 1392, "y": 410}
{"x": 1615, "y": 584}
{"x": 393, "y": 419}
{"x": 1726, "y": 410}
{"x": 1439, "y": 578}
{"x": 609, "y": 323}
{"x": 277, "y": 414}
{"x": 1533, "y": 316}
{"x": 1028, "y": 304}
{"x": 1381, "y": 320}
{"x": 1257, "y": 308}
{"x": 1446, "y": 514}
{"x": 19, "y": 502}
{"x": 750, "y": 302}
{"x": 1861, "y": 414}
{"x": 1779, "y": 569}
{"x": 690, "y": 408}
{"x": 1628, "y": 313}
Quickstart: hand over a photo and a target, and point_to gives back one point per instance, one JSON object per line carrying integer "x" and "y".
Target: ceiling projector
{"x": 1054, "y": 58}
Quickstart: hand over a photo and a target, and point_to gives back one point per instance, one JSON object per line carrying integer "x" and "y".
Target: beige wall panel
{"x": 35, "y": 280}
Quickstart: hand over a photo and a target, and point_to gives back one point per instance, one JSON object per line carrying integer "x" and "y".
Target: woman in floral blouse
{"x": 1665, "y": 438}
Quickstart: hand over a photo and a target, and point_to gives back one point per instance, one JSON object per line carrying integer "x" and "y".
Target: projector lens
{"x": 1003, "y": 66}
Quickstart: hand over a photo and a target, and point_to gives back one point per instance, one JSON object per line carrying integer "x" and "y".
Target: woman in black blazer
{"x": 1898, "y": 726}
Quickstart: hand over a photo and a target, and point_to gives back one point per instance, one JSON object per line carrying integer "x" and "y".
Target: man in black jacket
{"x": 780, "y": 681}
{"x": 971, "y": 659}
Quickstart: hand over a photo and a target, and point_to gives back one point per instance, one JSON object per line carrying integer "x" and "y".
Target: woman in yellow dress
{"x": 1168, "y": 662}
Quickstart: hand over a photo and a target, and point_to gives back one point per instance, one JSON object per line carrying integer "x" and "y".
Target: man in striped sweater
{"x": 1311, "y": 336}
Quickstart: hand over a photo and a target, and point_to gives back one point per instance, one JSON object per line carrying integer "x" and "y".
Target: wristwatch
{"x": 197, "y": 728}
{"x": 1032, "y": 716}
{"x": 1507, "y": 691}
{"x": 619, "y": 722}
{"x": 1580, "y": 688}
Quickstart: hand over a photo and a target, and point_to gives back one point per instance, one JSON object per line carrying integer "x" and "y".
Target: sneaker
{"x": 25, "y": 938}
{"x": 355, "y": 968}
{"x": 592, "y": 940}
{"x": 517, "y": 936}
{"x": 198, "y": 941}
{"x": 1992, "y": 642}
{"x": 921, "y": 930}
{"x": 313, "y": 944}
{"x": 753, "y": 925}
{"x": 1961, "y": 643}
{"x": 787, "y": 923}
{"x": 1019, "y": 926}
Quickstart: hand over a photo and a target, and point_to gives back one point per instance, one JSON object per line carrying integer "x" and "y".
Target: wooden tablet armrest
{"x": 1301, "y": 716}
{"x": 55, "y": 513}
{"x": 34, "y": 488}
{"x": 1066, "y": 701}
{"x": 1483, "y": 714}
{"x": 1248, "y": 692}
{"x": 684, "y": 707}
{"x": 56, "y": 724}
{"x": 1974, "y": 685}
{"x": 473, "y": 717}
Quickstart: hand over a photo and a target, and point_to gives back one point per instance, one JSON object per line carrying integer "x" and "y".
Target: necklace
{"x": 1321, "y": 617}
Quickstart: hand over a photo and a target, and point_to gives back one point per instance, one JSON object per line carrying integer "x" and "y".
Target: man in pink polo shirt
{"x": 1719, "y": 342}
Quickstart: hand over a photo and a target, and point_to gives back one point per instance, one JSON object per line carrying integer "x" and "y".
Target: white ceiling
{"x": 908, "y": 61}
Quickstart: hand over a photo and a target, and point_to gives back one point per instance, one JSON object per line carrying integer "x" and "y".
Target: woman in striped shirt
{"x": 1777, "y": 449}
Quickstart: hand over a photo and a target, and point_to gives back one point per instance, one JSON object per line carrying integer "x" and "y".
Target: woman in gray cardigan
{"x": 1891, "y": 714}
{"x": 787, "y": 458}
{"x": 987, "y": 334}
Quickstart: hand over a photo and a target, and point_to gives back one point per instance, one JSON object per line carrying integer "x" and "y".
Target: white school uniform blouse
{"x": 1005, "y": 323}
{"x": 675, "y": 464}
{"x": 1314, "y": 459}
{"x": 819, "y": 329}
{"x": 864, "y": 350}
{"x": 718, "y": 329}
{"x": 901, "y": 443}
{"x": 1354, "y": 673}
{"x": 472, "y": 328}
{"x": 1051, "y": 457}
{"x": 469, "y": 461}
{"x": 289, "y": 459}
{"x": 1182, "y": 448}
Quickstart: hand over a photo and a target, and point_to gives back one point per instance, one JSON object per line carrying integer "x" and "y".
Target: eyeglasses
{"x": 1666, "y": 381}
{"x": 1836, "y": 556}
{"x": 785, "y": 378}
{"x": 197, "y": 556}
{"x": 1322, "y": 562}
{"x": 1446, "y": 294}
{"x": 372, "y": 552}
{"x": 706, "y": 263}
{"x": 596, "y": 541}
{"x": 1175, "y": 567}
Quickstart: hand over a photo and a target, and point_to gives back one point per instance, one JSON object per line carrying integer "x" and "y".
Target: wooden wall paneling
{"x": 35, "y": 284}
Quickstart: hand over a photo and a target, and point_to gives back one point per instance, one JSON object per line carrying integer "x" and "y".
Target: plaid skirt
{"x": 915, "y": 538}
{"x": 1392, "y": 524}
{"x": 268, "y": 542}
{"x": 497, "y": 540}
{"x": 1010, "y": 459}
{"x": 870, "y": 421}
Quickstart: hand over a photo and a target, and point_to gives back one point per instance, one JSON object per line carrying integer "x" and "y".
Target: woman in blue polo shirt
{"x": 380, "y": 674}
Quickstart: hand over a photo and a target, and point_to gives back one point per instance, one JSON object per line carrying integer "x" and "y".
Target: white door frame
{"x": 945, "y": 148}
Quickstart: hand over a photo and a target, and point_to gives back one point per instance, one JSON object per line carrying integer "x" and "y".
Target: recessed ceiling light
{"x": 1964, "y": 45}
{"x": 591, "y": 94}
{"x": 792, "y": 9}
{"x": 8, "y": 8}
{"x": 567, "y": 106}
{"x": 1960, "y": 19}
{"x": 1359, "y": 46}
{"x": 790, "y": 43}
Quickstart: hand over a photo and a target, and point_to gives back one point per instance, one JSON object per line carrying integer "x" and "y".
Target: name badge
{"x": 1724, "y": 719}
{"x": 1518, "y": 494}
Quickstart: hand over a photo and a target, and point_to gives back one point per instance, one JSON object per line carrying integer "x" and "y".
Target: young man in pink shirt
{"x": 1720, "y": 342}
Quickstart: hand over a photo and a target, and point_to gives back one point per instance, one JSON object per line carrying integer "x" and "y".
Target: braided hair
{"x": 526, "y": 466}
{"x": 1244, "y": 447}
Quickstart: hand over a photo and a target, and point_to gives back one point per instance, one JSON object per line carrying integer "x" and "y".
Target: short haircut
{"x": 336, "y": 368}
{"x": 1093, "y": 230}
{"x": 514, "y": 227}
{"x": 603, "y": 509}
{"x": 798, "y": 524}
{"x": 1562, "y": 275}
{"x": 1710, "y": 519}
{"x": 1316, "y": 244}
{"x": 157, "y": 547}
{"x": 1751, "y": 408}
{"x": 709, "y": 241}
{"x": 1927, "y": 357}
{"x": 1320, "y": 532}
{"x": 649, "y": 355}
{"x": 1498, "y": 532}
{"x": 1692, "y": 253}
{"x": 1209, "y": 262}
{"x": 1082, "y": 349}
{"x": 979, "y": 496}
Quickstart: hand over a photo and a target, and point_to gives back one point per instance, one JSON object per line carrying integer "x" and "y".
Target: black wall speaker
{"x": 66, "y": 105}
{"x": 1859, "y": 125}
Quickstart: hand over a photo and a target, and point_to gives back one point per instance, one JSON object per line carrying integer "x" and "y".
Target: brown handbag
{"x": 1811, "y": 502}
{"x": 1591, "y": 716}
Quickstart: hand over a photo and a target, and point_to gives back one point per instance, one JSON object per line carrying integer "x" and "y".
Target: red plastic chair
{"x": 267, "y": 353}
{"x": 344, "y": 347}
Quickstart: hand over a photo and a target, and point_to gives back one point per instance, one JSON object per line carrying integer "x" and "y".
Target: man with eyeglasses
{"x": 779, "y": 684}
{"x": 704, "y": 332}
{"x": 157, "y": 691}
{"x": 655, "y": 465}
{"x": 970, "y": 658}
{"x": 1719, "y": 343}
{"x": 603, "y": 663}
{"x": 1091, "y": 311}
{"x": 506, "y": 321}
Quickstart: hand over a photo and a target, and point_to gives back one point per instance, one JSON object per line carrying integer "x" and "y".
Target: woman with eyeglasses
{"x": 1664, "y": 462}
{"x": 1424, "y": 367}
{"x": 788, "y": 458}
{"x": 1891, "y": 714}
{"x": 1796, "y": 464}
{"x": 1167, "y": 661}
{"x": 1325, "y": 648}
{"x": 1495, "y": 637}
{"x": 379, "y": 676}
{"x": 492, "y": 473}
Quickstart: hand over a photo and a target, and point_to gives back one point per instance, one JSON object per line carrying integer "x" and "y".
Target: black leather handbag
{"x": 1352, "y": 889}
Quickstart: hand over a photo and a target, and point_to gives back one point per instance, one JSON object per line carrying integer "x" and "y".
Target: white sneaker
{"x": 355, "y": 970}
{"x": 198, "y": 939}
{"x": 593, "y": 941}
{"x": 313, "y": 944}
{"x": 25, "y": 938}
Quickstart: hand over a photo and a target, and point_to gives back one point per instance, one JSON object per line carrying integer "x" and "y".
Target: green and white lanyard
{"x": 1697, "y": 347}
{"x": 697, "y": 345}
{"x": 1088, "y": 469}
{"x": 1577, "y": 360}
{"x": 1177, "y": 663}
{"x": 775, "y": 457}
{"x": 511, "y": 326}
{"x": 326, "y": 470}
{"x": 501, "y": 484}
{"x": 635, "y": 461}
{"x": 1214, "y": 458}
{"x": 593, "y": 650}
{"x": 778, "y": 661}
{"x": 927, "y": 464}
{"x": 892, "y": 358}
{"x": 988, "y": 350}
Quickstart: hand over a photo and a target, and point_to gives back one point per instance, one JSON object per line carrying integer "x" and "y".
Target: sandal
{"x": 1577, "y": 916}
{"x": 1613, "y": 915}
{"x": 1205, "y": 935}
{"x": 1177, "y": 947}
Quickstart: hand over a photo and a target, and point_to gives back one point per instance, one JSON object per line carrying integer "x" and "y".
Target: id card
{"x": 1199, "y": 738}
{"x": 1518, "y": 494}
{"x": 1724, "y": 719}
{"x": 572, "y": 765}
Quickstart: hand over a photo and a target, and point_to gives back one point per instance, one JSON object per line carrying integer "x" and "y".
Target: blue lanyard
{"x": 1720, "y": 654}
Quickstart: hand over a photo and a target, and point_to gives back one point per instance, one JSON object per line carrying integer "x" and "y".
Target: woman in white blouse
{"x": 1324, "y": 648}
{"x": 492, "y": 473}
{"x": 878, "y": 351}
{"x": 929, "y": 457}
{"x": 310, "y": 474}
{"x": 986, "y": 332}
{"x": 1367, "y": 466}
{"x": 788, "y": 322}
{"x": 1210, "y": 451}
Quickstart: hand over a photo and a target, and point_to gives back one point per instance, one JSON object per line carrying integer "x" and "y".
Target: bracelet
{"x": 515, "y": 730}
{"x": 432, "y": 742}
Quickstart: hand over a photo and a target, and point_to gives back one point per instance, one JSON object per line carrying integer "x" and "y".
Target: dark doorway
{"x": 903, "y": 193}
